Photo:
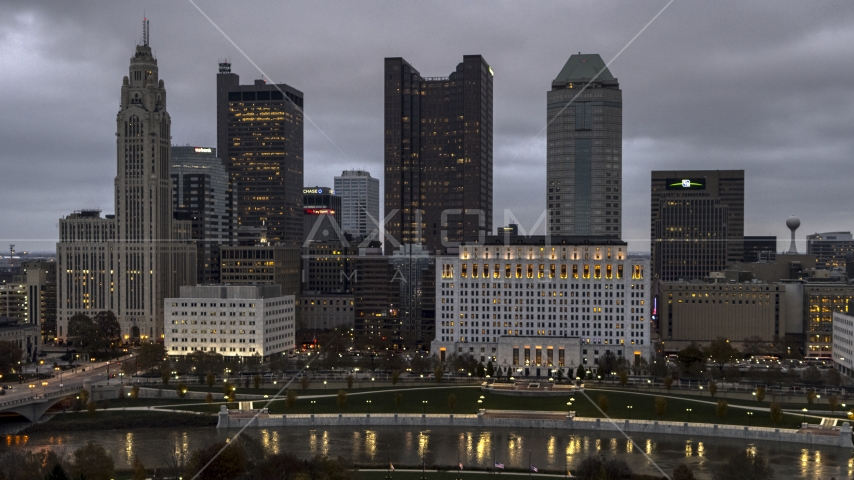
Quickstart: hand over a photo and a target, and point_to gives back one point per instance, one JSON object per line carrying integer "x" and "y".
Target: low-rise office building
{"x": 843, "y": 343}
{"x": 234, "y": 321}
{"x": 24, "y": 335}
{"x": 578, "y": 298}
{"x": 326, "y": 311}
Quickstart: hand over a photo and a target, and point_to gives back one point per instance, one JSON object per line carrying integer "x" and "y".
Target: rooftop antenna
{"x": 144, "y": 30}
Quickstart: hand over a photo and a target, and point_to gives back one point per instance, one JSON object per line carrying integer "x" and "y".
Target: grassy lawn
{"x": 316, "y": 388}
{"x": 453, "y": 474}
{"x": 119, "y": 421}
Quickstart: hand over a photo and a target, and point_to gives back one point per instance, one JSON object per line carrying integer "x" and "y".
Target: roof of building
{"x": 544, "y": 240}
{"x": 584, "y": 67}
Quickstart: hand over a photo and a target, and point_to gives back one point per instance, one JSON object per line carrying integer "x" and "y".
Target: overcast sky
{"x": 767, "y": 87}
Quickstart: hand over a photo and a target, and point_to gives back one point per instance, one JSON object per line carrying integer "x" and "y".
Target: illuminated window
{"x": 575, "y": 272}
{"x": 608, "y": 272}
{"x": 563, "y": 271}
{"x": 597, "y": 272}
{"x": 586, "y": 271}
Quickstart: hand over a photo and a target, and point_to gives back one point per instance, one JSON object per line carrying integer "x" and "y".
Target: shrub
{"x": 660, "y": 406}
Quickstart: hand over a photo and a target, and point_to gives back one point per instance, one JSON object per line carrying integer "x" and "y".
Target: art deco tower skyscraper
{"x": 584, "y": 159}
{"x": 128, "y": 264}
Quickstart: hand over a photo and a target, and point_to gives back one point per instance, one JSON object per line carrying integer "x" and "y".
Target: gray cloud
{"x": 762, "y": 86}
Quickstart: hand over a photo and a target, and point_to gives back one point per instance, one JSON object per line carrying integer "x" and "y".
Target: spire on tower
{"x": 145, "y": 31}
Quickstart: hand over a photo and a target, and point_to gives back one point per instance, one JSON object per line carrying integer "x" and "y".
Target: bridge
{"x": 32, "y": 407}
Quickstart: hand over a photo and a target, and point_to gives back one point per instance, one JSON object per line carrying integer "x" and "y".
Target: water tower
{"x": 793, "y": 223}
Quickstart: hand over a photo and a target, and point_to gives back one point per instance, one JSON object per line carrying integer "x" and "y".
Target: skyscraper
{"x": 130, "y": 262}
{"x": 830, "y": 249}
{"x": 360, "y": 202}
{"x": 584, "y": 156}
{"x": 697, "y": 222}
{"x": 260, "y": 138}
{"x": 203, "y": 193}
{"x": 321, "y": 215}
{"x": 438, "y": 153}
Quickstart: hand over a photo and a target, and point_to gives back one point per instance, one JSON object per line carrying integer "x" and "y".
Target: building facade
{"x": 438, "y": 154}
{"x": 843, "y": 344}
{"x": 24, "y": 335}
{"x": 759, "y": 248}
{"x": 260, "y": 138}
{"x": 584, "y": 160}
{"x": 360, "y": 203}
{"x": 203, "y": 193}
{"x": 321, "y": 215}
{"x": 41, "y": 297}
{"x": 130, "y": 262}
{"x": 376, "y": 300}
{"x": 697, "y": 222}
{"x": 262, "y": 265}
{"x": 581, "y": 295}
{"x": 326, "y": 311}
{"x": 233, "y": 321}
{"x": 415, "y": 274}
{"x": 831, "y": 249}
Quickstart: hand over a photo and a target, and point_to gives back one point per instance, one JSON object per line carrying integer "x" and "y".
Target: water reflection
{"x": 475, "y": 448}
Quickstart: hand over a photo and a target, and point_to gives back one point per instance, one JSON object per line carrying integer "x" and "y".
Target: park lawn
{"x": 820, "y": 404}
{"x": 453, "y": 474}
{"x": 315, "y": 388}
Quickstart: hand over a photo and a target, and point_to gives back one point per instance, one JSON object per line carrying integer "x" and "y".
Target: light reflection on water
{"x": 547, "y": 449}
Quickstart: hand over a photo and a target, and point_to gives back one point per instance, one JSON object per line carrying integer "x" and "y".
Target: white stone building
{"x": 536, "y": 304}
{"x": 360, "y": 202}
{"x": 234, "y": 321}
{"x": 843, "y": 343}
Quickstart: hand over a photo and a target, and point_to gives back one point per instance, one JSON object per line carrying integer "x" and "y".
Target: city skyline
{"x": 702, "y": 121}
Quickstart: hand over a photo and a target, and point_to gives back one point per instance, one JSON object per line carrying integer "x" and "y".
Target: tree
{"x": 812, "y": 375}
{"x": 181, "y": 390}
{"x": 811, "y": 396}
{"x": 438, "y": 372}
{"x": 57, "y": 473}
{"x": 755, "y": 345}
{"x": 580, "y": 373}
{"x": 833, "y": 402}
{"x": 109, "y": 331}
{"x": 832, "y": 377}
{"x": 603, "y": 403}
{"x": 721, "y": 408}
{"x": 776, "y": 411}
{"x": 304, "y": 382}
{"x": 713, "y": 388}
{"x": 720, "y": 352}
{"x": 10, "y": 355}
{"x": 290, "y": 398}
{"x": 229, "y": 464}
{"x": 395, "y": 376}
{"x": 210, "y": 379}
{"x": 129, "y": 368}
{"x": 92, "y": 462}
{"x": 624, "y": 377}
{"x": 452, "y": 401}
{"x": 209, "y": 398}
{"x": 683, "y": 472}
{"x": 731, "y": 373}
{"x": 690, "y": 355}
{"x": 660, "y": 406}
{"x": 139, "y": 472}
{"x": 349, "y": 380}
{"x": 668, "y": 382}
{"x": 165, "y": 372}
{"x": 134, "y": 392}
{"x": 559, "y": 375}
{"x": 420, "y": 363}
{"x": 490, "y": 370}
{"x": 341, "y": 399}
{"x": 760, "y": 393}
{"x": 150, "y": 355}
{"x": 398, "y": 400}
{"x": 744, "y": 467}
{"x": 91, "y": 406}
{"x": 598, "y": 467}
{"x": 607, "y": 363}
{"x": 256, "y": 381}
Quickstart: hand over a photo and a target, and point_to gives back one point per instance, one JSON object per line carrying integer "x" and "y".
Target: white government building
{"x": 242, "y": 321}
{"x": 537, "y": 304}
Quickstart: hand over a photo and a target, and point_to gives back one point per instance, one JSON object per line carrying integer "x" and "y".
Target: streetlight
{"x": 804, "y": 419}
{"x": 425, "y": 406}
{"x": 749, "y": 416}
{"x": 312, "y": 406}
{"x": 369, "y": 406}
{"x": 630, "y": 411}
{"x": 324, "y": 385}
{"x": 689, "y": 413}
{"x": 422, "y": 379}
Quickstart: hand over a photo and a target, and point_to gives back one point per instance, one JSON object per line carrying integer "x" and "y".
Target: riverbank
{"x": 119, "y": 420}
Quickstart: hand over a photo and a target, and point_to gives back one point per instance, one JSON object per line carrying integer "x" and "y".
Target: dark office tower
{"x": 584, "y": 156}
{"x": 321, "y": 215}
{"x": 438, "y": 154}
{"x": 260, "y": 138}
{"x": 697, "y": 222}
{"x": 830, "y": 249}
{"x": 203, "y": 194}
{"x": 760, "y": 248}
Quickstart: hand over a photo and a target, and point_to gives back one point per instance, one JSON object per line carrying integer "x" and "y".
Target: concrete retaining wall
{"x": 843, "y": 439}
{"x": 171, "y": 393}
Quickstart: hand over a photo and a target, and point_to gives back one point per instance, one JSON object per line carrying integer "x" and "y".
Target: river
{"x": 546, "y": 449}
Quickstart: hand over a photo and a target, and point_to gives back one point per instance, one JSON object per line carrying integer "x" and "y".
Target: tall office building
{"x": 830, "y": 249}
{"x": 41, "y": 297}
{"x": 758, "y": 248}
{"x": 321, "y": 215}
{"x": 438, "y": 154}
{"x": 130, "y": 262}
{"x": 202, "y": 192}
{"x": 360, "y": 202}
{"x": 260, "y": 138}
{"x": 697, "y": 222}
{"x": 584, "y": 161}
